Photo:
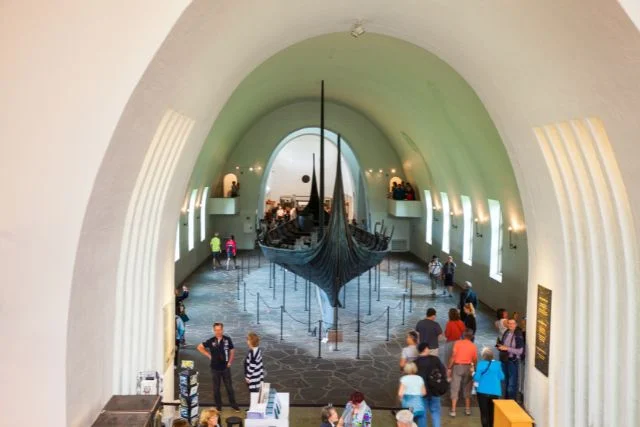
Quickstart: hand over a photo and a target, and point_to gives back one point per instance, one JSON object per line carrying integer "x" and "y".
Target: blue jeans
{"x": 510, "y": 370}
{"x": 432, "y": 405}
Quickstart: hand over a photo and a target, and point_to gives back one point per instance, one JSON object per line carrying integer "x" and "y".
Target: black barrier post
{"x": 258, "y": 259}
{"x": 358, "y": 342}
{"x": 270, "y": 281}
{"x": 398, "y": 271}
{"x": 258, "y": 307}
{"x": 238, "y": 286}
{"x": 244, "y": 284}
{"x": 306, "y": 290}
{"x": 404, "y": 302}
{"x": 406, "y": 279}
{"x": 274, "y": 281}
{"x": 369, "y": 314}
{"x": 281, "y": 322}
{"x": 375, "y": 278}
{"x": 319, "y": 339}
{"x": 295, "y": 282}
{"x": 284, "y": 276}
{"x": 284, "y": 293}
{"x": 387, "y": 323}
{"x": 336, "y": 332}
{"x": 309, "y": 304}
{"x": 379, "y": 285}
{"x": 411, "y": 295}
{"x": 358, "y": 302}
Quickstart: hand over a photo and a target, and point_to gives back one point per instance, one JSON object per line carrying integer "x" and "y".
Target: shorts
{"x": 461, "y": 377}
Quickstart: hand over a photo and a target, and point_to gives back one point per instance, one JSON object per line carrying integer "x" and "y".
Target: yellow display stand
{"x": 507, "y": 413}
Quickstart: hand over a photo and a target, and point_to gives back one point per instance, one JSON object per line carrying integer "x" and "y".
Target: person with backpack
{"x": 488, "y": 379}
{"x": 435, "y": 274}
{"x": 411, "y": 392}
{"x": 511, "y": 348}
{"x": 231, "y": 249}
{"x": 434, "y": 374}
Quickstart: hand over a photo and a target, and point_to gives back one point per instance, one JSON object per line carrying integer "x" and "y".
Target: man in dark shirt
{"x": 426, "y": 364}
{"x": 429, "y": 331}
{"x": 467, "y": 295}
{"x": 220, "y": 351}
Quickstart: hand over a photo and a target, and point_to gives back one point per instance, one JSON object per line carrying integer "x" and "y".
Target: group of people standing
{"x": 402, "y": 191}
{"x": 431, "y": 373}
{"x": 230, "y": 248}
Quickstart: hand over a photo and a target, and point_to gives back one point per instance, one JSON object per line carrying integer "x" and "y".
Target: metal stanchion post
{"x": 404, "y": 302}
{"x": 319, "y": 339}
{"x": 270, "y": 281}
{"x": 284, "y": 276}
{"x": 398, "y": 271}
{"x": 406, "y": 279}
{"x": 309, "y": 304}
{"x": 358, "y": 302}
{"x": 411, "y": 294}
{"x": 244, "y": 285}
{"x": 274, "y": 281}
{"x": 369, "y": 313}
{"x": 284, "y": 292}
{"x": 375, "y": 278}
{"x": 358, "y": 342}
{"x": 306, "y": 290}
{"x": 258, "y": 259}
{"x": 281, "y": 322}
{"x": 241, "y": 267}
{"x": 379, "y": 285}
{"x": 258, "y": 307}
{"x": 295, "y": 282}
{"x": 388, "y": 323}
{"x": 238, "y": 287}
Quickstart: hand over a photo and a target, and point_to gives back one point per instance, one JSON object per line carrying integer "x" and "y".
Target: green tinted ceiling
{"x": 428, "y": 112}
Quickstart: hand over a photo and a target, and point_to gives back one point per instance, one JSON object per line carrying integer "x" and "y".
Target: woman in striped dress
{"x": 253, "y": 367}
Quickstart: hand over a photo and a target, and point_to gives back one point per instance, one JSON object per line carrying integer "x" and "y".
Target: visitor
{"x": 398, "y": 192}
{"x": 179, "y": 339}
{"x": 235, "y": 189}
{"x": 180, "y": 422}
{"x": 453, "y": 331}
{"x": 231, "y": 249}
{"x": 391, "y": 193}
{"x": 293, "y": 214}
{"x": 434, "y": 375}
{"x": 467, "y": 295}
{"x": 488, "y": 378}
{"x": 448, "y": 270}
{"x": 356, "y": 413}
{"x": 410, "y": 352}
{"x": 429, "y": 331}
{"x": 464, "y": 357}
{"x": 404, "y": 418}
{"x": 220, "y": 351}
{"x": 470, "y": 317}
{"x": 411, "y": 392}
{"x": 435, "y": 274}
{"x": 209, "y": 418}
{"x": 511, "y": 348}
{"x": 329, "y": 417}
{"x": 501, "y": 324}
{"x": 216, "y": 249}
{"x": 279, "y": 213}
{"x": 253, "y": 365}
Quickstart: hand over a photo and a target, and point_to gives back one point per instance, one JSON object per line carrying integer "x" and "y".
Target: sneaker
{"x": 467, "y": 411}
{"x": 236, "y": 408}
{"x": 452, "y": 414}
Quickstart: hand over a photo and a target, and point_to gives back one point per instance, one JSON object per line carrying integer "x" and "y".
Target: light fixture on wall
{"x": 511, "y": 244}
{"x": 453, "y": 224}
{"x": 380, "y": 170}
{"x": 478, "y": 234}
{"x": 435, "y": 211}
{"x": 393, "y": 171}
{"x": 357, "y": 30}
{"x": 241, "y": 169}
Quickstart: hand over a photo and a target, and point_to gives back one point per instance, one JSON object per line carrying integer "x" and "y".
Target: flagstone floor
{"x": 292, "y": 351}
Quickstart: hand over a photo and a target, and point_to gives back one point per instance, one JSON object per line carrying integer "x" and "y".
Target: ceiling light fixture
{"x": 357, "y": 30}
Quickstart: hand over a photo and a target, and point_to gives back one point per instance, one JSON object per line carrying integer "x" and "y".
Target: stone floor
{"x": 292, "y": 363}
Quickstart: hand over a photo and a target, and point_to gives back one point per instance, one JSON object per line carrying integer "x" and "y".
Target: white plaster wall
{"x": 69, "y": 79}
{"x": 370, "y": 146}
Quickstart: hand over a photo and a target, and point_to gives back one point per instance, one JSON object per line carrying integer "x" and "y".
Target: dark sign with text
{"x": 543, "y": 329}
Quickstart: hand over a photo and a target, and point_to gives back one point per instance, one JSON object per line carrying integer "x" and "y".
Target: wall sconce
{"x": 435, "y": 217}
{"x": 453, "y": 225}
{"x": 380, "y": 171}
{"x": 511, "y": 244}
{"x": 370, "y": 170}
{"x": 478, "y": 234}
{"x": 393, "y": 171}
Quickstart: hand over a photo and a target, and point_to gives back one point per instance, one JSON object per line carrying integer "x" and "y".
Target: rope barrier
{"x": 293, "y": 318}
{"x": 374, "y": 320}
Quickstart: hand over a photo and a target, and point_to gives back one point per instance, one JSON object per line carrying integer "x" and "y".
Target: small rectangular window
{"x": 192, "y": 219}
{"x": 429, "y": 216}
{"x": 176, "y": 255}
{"x": 495, "y": 261}
{"x": 203, "y": 213}
{"x": 467, "y": 242}
{"x": 446, "y": 222}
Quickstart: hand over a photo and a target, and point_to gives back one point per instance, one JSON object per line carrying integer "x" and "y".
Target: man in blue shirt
{"x": 220, "y": 351}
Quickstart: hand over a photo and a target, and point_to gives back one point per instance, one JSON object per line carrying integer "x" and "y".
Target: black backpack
{"x": 437, "y": 384}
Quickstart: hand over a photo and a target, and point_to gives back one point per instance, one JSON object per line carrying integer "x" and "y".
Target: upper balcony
{"x": 223, "y": 206}
{"x": 404, "y": 208}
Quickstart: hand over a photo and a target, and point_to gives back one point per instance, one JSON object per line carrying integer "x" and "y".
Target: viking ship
{"x": 328, "y": 253}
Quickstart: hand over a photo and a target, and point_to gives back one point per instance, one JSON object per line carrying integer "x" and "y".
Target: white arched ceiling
{"x": 70, "y": 83}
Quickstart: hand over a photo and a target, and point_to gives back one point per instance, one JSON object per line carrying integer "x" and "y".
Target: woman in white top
{"x": 411, "y": 391}
{"x": 501, "y": 323}
{"x": 410, "y": 352}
